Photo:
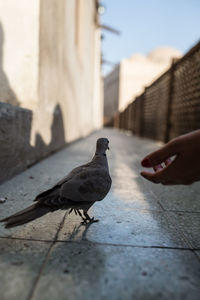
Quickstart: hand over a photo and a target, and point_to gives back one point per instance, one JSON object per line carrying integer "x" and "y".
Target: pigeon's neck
{"x": 100, "y": 159}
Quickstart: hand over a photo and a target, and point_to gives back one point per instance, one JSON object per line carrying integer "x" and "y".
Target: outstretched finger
{"x": 166, "y": 175}
{"x": 151, "y": 176}
{"x": 159, "y": 156}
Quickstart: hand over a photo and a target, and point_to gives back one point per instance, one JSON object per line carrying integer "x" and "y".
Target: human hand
{"x": 183, "y": 169}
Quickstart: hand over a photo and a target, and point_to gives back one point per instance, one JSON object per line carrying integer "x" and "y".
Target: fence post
{"x": 131, "y": 116}
{"x": 116, "y": 120}
{"x": 141, "y": 112}
{"x": 169, "y": 104}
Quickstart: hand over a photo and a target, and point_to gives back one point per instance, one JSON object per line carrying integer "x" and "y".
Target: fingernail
{"x": 146, "y": 163}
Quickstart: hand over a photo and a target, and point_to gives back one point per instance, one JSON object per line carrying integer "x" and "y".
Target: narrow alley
{"x": 146, "y": 244}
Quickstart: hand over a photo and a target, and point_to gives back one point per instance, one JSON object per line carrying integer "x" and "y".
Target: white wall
{"x": 135, "y": 73}
{"x": 44, "y": 69}
{"x": 19, "y": 27}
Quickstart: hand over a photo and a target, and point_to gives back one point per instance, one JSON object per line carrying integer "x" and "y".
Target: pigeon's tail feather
{"x": 24, "y": 216}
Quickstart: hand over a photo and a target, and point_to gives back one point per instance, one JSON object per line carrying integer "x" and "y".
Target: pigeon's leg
{"x": 87, "y": 218}
{"x": 71, "y": 210}
{"x": 76, "y": 211}
{"x": 79, "y": 213}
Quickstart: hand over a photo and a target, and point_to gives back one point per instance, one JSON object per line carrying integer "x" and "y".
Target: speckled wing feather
{"x": 90, "y": 185}
{"x": 69, "y": 176}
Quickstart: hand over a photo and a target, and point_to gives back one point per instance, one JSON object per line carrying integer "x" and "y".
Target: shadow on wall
{"x": 16, "y": 152}
{"x": 57, "y": 136}
{"x": 6, "y": 93}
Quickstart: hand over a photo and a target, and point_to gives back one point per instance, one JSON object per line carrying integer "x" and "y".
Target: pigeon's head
{"x": 102, "y": 145}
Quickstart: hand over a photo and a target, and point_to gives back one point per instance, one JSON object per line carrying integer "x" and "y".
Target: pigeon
{"x": 79, "y": 190}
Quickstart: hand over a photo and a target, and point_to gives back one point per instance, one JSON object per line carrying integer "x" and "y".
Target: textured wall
{"x": 136, "y": 72}
{"x": 15, "y": 126}
{"x": 50, "y": 65}
{"x": 19, "y": 26}
{"x": 16, "y": 152}
{"x": 170, "y": 106}
{"x": 111, "y": 93}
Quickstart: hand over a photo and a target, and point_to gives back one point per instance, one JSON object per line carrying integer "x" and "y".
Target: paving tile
{"x": 20, "y": 191}
{"x": 177, "y": 198}
{"x": 189, "y": 223}
{"x": 89, "y": 271}
{"x": 135, "y": 200}
{"x": 20, "y": 262}
{"x": 108, "y": 259}
{"x": 124, "y": 227}
{"x": 44, "y": 228}
{"x": 128, "y": 192}
{"x": 198, "y": 254}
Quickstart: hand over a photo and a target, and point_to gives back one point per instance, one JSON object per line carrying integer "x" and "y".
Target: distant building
{"x": 130, "y": 77}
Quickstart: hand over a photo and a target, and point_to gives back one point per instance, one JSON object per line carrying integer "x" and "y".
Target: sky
{"x": 148, "y": 24}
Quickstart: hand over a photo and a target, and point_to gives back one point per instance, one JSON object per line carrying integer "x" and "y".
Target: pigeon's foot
{"x": 88, "y": 220}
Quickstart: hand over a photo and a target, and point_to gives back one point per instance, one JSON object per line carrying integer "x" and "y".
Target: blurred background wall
{"x": 132, "y": 75}
{"x": 50, "y": 73}
{"x": 168, "y": 107}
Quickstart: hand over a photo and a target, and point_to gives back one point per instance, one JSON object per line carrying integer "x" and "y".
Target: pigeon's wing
{"x": 89, "y": 185}
{"x": 74, "y": 172}
{"x": 54, "y": 189}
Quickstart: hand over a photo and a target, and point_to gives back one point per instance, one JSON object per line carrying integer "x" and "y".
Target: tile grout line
{"x": 31, "y": 293}
{"x": 196, "y": 255}
{"x": 106, "y": 244}
{"x": 127, "y": 245}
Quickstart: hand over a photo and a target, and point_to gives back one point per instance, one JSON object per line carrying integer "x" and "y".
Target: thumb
{"x": 159, "y": 156}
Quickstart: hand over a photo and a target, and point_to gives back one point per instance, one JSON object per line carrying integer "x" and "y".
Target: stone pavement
{"x": 146, "y": 245}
